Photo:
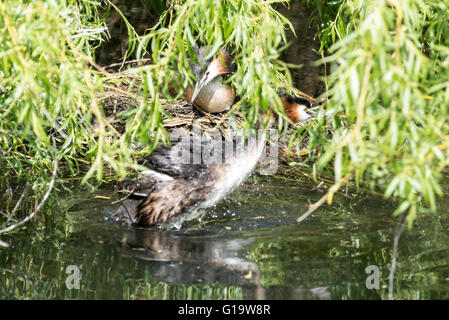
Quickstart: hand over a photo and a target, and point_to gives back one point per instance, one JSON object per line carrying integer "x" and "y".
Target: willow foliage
{"x": 50, "y": 81}
{"x": 385, "y": 125}
{"x": 252, "y": 31}
{"x": 389, "y": 98}
{"x": 48, "y": 87}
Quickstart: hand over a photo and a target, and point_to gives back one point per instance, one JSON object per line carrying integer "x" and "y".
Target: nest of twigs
{"x": 184, "y": 116}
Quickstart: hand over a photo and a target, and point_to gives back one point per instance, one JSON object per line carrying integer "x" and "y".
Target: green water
{"x": 247, "y": 247}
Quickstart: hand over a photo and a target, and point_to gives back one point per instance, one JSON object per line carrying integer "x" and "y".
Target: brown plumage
{"x": 296, "y": 107}
{"x": 169, "y": 190}
{"x": 223, "y": 62}
{"x": 167, "y": 200}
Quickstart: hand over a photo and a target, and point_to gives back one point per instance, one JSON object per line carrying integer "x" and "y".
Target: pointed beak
{"x": 196, "y": 91}
{"x": 199, "y": 85}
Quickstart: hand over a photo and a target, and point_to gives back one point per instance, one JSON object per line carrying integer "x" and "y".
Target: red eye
{"x": 207, "y": 73}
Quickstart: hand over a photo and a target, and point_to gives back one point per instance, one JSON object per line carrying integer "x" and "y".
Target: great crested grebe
{"x": 171, "y": 189}
{"x": 210, "y": 93}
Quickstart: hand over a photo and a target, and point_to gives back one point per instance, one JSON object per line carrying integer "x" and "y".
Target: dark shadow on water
{"x": 200, "y": 258}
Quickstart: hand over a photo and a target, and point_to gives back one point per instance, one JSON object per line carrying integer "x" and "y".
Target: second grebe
{"x": 210, "y": 93}
{"x": 171, "y": 189}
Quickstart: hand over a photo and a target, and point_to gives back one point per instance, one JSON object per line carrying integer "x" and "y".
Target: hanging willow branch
{"x": 386, "y": 120}
{"x": 327, "y": 197}
{"x": 41, "y": 203}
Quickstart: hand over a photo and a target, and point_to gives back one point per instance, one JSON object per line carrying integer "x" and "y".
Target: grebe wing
{"x": 139, "y": 188}
{"x": 186, "y": 159}
{"x": 161, "y": 201}
{"x": 172, "y": 186}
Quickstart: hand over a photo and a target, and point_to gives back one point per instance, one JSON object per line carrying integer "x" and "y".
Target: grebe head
{"x": 215, "y": 68}
{"x": 296, "y": 107}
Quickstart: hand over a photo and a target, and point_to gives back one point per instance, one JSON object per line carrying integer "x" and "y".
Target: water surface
{"x": 247, "y": 247}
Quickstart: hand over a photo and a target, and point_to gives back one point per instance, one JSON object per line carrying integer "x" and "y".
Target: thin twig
{"x": 39, "y": 206}
{"x": 362, "y": 101}
{"x": 98, "y": 67}
{"x": 325, "y": 73}
{"x": 127, "y": 62}
{"x": 89, "y": 32}
{"x": 397, "y": 236}
{"x": 317, "y": 186}
{"x": 54, "y": 122}
{"x": 208, "y": 115}
{"x": 4, "y": 244}
{"x": 8, "y": 186}
{"x": 231, "y": 111}
{"x": 324, "y": 198}
{"x": 19, "y": 202}
{"x": 126, "y": 197}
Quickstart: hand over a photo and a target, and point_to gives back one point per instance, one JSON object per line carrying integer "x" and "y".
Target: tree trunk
{"x": 301, "y": 49}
